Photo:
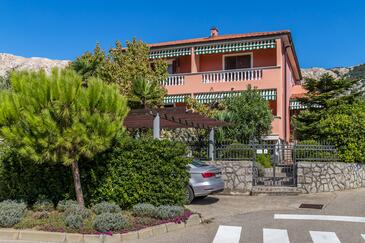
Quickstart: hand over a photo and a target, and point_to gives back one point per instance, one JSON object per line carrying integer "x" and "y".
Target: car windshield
{"x": 198, "y": 163}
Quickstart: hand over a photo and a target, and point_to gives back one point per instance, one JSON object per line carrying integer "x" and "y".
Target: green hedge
{"x": 20, "y": 179}
{"x": 143, "y": 171}
{"x": 134, "y": 171}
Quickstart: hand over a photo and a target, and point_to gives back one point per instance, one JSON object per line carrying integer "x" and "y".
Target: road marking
{"x": 228, "y": 234}
{"x": 363, "y": 236}
{"x": 320, "y": 217}
{"x": 324, "y": 237}
{"x": 275, "y": 236}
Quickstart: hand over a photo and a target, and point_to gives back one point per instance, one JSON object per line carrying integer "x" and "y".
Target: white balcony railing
{"x": 174, "y": 80}
{"x": 231, "y": 76}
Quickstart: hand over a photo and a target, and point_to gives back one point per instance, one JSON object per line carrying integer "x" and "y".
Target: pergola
{"x": 171, "y": 118}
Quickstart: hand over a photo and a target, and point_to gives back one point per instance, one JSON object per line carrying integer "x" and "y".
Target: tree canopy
{"x": 249, "y": 115}
{"x": 130, "y": 68}
{"x": 335, "y": 113}
{"x": 54, "y": 118}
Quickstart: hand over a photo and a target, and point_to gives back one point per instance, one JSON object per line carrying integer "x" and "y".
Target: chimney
{"x": 213, "y": 32}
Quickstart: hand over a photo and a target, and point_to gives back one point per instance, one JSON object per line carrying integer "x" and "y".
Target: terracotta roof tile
{"x": 294, "y": 96}
{"x": 218, "y": 38}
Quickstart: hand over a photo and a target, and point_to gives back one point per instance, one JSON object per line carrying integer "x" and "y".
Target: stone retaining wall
{"x": 13, "y": 235}
{"x": 236, "y": 174}
{"x": 329, "y": 176}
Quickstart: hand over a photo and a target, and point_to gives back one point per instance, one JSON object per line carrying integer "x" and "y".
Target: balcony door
{"x": 237, "y": 61}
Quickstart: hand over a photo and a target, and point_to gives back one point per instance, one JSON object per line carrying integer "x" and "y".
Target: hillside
{"x": 10, "y": 62}
{"x": 352, "y": 72}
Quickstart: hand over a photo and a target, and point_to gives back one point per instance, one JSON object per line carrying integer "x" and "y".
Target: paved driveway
{"x": 233, "y": 219}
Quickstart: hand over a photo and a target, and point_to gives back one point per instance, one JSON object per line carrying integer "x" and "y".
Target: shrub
{"x": 21, "y": 180}
{"x": 168, "y": 212}
{"x": 144, "y": 170}
{"x": 109, "y": 222}
{"x": 264, "y": 160}
{"x": 11, "y": 213}
{"x": 43, "y": 205}
{"x": 40, "y": 214}
{"x": 77, "y": 210}
{"x": 106, "y": 207}
{"x": 74, "y": 221}
{"x": 144, "y": 209}
{"x": 64, "y": 204}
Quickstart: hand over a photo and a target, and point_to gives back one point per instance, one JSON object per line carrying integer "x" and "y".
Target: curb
{"x": 12, "y": 235}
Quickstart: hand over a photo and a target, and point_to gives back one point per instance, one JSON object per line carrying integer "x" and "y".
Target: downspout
{"x": 285, "y": 92}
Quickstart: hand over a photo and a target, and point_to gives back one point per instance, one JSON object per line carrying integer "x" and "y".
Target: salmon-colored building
{"x": 217, "y": 66}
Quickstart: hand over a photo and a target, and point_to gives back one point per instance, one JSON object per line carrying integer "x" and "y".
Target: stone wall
{"x": 329, "y": 176}
{"x": 236, "y": 174}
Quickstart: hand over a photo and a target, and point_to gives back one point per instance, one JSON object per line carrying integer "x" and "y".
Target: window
{"x": 237, "y": 62}
{"x": 172, "y": 66}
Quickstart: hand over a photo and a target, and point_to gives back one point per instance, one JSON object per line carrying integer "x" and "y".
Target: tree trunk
{"x": 77, "y": 183}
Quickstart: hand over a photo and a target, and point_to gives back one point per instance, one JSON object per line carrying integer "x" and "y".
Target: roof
{"x": 219, "y": 38}
{"x": 295, "y": 96}
{"x": 170, "y": 118}
{"x": 232, "y": 37}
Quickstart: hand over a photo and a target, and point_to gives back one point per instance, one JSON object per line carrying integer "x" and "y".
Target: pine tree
{"x": 54, "y": 118}
{"x": 323, "y": 94}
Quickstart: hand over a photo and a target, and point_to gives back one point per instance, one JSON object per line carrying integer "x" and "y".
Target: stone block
{"x": 9, "y": 234}
{"x": 173, "y": 226}
{"x": 115, "y": 238}
{"x": 126, "y": 237}
{"x": 93, "y": 238}
{"x": 74, "y": 238}
{"x": 159, "y": 229}
{"x": 145, "y": 233}
{"x": 41, "y": 236}
{"x": 193, "y": 220}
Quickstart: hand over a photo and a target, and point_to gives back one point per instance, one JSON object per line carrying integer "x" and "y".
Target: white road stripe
{"x": 363, "y": 236}
{"x": 320, "y": 217}
{"x": 228, "y": 234}
{"x": 324, "y": 237}
{"x": 275, "y": 236}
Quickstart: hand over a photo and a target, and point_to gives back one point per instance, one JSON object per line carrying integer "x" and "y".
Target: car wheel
{"x": 189, "y": 195}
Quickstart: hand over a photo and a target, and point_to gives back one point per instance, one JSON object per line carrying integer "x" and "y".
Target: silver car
{"x": 204, "y": 179}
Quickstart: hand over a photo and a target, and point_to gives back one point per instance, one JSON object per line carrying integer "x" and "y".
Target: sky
{"x": 326, "y": 33}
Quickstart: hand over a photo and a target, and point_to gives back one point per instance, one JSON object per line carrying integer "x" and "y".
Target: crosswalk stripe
{"x": 228, "y": 234}
{"x": 324, "y": 237}
{"x": 320, "y": 217}
{"x": 275, "y": 236}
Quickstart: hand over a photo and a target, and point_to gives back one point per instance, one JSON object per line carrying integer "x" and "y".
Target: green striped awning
{"x": 268, "y": 94}
{"x": 296, "y": 105}
{"x": 170, "y": 53}
{"x": 214, "y": 97}
{"x": 171, "y": 99}
{"x": 234, "y": 47}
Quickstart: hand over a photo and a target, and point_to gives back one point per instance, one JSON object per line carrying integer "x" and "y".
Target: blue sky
{"x": 326, "y": 33}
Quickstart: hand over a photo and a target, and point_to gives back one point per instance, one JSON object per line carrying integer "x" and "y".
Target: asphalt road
{"x": 245, "y": 219}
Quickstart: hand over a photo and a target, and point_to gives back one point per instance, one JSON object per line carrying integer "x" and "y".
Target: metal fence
{"x": 276, "y": 152}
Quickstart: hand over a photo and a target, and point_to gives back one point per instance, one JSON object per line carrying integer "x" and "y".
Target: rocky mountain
{"x": 317, "y": 72}
{"x": 10, "y": 62}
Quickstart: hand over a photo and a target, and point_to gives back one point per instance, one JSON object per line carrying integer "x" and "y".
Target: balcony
{"x": 225, "y": 80}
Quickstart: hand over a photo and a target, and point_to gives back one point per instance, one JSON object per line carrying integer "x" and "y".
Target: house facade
{"x": 218, "y": 66}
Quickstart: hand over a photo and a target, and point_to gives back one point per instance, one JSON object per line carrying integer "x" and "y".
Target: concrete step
{"x": 274, "y": 190}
